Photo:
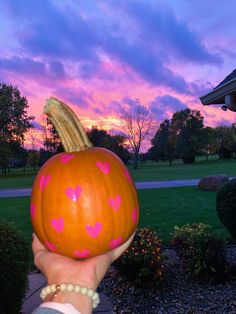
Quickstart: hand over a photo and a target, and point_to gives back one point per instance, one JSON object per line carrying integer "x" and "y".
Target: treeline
{"x": 185, "y": 136}
{"x": 15, "y": 123}
{"x": 99, "y": 138}
{"x": 13, "y": 155}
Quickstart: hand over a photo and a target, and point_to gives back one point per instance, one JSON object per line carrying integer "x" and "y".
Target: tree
{"x": 18, "y": 156}
{"x": 187, "y": 127}
{"x": 100, "y": 138}
{"x": 14, "y": 121}
{"x": 5, "y": 154}
{"x": 233, "y": 146}
{"x": 226, "y": 139}
{"x": 43, "y": 156}
{"x": 33, "y": 158}
{"x": 164, "y": 142}
{"x": 209, "y": 141}
{"x": 51, "y": 141}
{"x": 139, "y": 125}
{"x": 33, "y": 155}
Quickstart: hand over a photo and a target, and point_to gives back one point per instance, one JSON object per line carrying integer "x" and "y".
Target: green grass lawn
{"x": 16, "y": 210}
{"x": 148, "y": 171}
{"x": 151, "y": 171}
{"x": 17, "y": 178}
{"x": 161, "y": 209}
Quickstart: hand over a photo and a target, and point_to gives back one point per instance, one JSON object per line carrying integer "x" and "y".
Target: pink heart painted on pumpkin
{"x": 50, "y": 246}
{"x": 33, "y": 210}
{"x": 134, "y": 215}
{"x": 104, "y": 166}
{"x": 65, "y": 158}
{"x": 74, "y": 194}
{"x": 44, "y": 180}
{"x": 93, "y": 231}
{"x": 114, "y": 243}
{"x": 128, "y": 176}
{"x": 58, "y": 224}
{"x": 115, "y": 202}
{"x": 82, "y": 253}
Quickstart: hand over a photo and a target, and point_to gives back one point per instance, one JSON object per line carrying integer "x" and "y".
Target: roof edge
{"x": 219, "y": 93}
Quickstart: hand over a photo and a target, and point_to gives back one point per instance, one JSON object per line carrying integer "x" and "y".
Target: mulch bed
{"x": 178, "y": 293}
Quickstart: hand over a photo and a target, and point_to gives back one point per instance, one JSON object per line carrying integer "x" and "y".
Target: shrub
{"x": 189, "y": 159}
{"x": 143, "y": 262}
{"x": 226, "y": 206}
{"x": 14, "y": 267}
{"x": 202, "y": 251}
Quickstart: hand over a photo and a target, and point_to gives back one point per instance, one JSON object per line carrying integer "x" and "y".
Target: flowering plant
{"x": 143, "y": 260}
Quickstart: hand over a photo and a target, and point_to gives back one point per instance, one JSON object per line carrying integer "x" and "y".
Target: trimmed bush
{"x": 143, "y": 262}
{"x": 226, "y": 206}
{"x": 14, "y": 267}
{"x": 202, "y": 251}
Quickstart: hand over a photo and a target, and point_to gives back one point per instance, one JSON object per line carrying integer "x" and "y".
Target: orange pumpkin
{"x": 84, "y": 202}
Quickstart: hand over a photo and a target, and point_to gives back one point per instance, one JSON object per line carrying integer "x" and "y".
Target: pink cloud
{"x": 95, "y": 57}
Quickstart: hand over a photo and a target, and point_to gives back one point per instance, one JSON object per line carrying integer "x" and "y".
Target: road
{"x": 139, "y": 185}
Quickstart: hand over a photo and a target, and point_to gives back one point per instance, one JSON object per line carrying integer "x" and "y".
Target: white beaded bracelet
{"x": 93, "y": 295}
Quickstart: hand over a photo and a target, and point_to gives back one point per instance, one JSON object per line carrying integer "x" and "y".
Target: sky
{"x": 98, "y": 55}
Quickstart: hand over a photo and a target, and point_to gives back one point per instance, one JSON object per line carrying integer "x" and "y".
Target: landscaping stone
{"x": 212, "y": 183}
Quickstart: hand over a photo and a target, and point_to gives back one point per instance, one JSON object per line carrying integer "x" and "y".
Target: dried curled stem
{"x": 68, "y": 126}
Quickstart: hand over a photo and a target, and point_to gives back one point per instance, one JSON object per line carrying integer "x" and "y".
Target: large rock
{"x": 212, "y": 183}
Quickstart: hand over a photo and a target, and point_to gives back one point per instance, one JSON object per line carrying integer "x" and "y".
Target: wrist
{"x": 84, "y": 279}
{"x": 82, "y": 298}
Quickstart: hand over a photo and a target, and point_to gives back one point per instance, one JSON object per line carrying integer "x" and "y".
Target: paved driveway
{"x": 165, "y": 184}
{"x": 14, "y": 193}
{"x": 140, "y": 185}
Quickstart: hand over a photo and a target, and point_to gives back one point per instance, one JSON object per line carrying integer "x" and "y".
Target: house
{"x": 224, "y": 93}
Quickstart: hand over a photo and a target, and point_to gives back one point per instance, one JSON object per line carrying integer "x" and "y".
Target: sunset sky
{"x": 99, "y": 55}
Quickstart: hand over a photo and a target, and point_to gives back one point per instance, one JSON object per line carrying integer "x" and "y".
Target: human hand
{"x": 61, "y": 269}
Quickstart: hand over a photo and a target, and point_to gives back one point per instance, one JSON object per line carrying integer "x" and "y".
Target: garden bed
{"x": 177, "y": 294}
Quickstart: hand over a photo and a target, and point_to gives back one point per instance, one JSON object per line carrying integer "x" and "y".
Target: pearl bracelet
{"x": 93, "y": 295}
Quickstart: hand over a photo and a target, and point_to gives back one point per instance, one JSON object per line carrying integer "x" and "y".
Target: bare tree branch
{"x": 139, "y": 126}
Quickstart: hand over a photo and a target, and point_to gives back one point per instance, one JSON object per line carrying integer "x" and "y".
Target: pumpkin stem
{"x": 71, "y": 132}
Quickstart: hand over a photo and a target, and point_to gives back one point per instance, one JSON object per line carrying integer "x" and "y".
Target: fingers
{"x": 121, "y": 249}
{"x": 39, "y": 253}
{"x": 37, "y": 245}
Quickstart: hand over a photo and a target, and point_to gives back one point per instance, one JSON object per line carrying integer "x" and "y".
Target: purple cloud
{"x": 116, "y": 107}
{"x": 37, "y": 125}
{"x": 161, "y": 29}
{"x": 164, "y": 106}
{"x": 24, "y": 66}
{"x": 62, "y": 32}
{"x": 76, "y": 96}
{"x": 57, "y": 69}
{"x": 35, "y": 70}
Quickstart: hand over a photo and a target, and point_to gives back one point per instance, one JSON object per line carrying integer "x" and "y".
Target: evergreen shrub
{"x": 14, "y": 268}
{"x": 226, "y": 206}
{"x": 202, "y": 251}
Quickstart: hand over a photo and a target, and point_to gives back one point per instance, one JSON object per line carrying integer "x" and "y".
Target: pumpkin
{"x": 84, "y": 202}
